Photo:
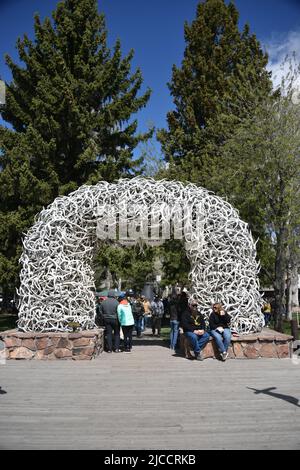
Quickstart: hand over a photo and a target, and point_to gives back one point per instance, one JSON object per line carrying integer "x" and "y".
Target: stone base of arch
{"x": 87, "y": 345}
{"x": 84, "y": 345}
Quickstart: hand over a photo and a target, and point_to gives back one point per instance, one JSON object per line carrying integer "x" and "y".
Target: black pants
{"x": 127, "y": 332}
{"x": 156, "y": 325}
{"x": 110, "y": 327}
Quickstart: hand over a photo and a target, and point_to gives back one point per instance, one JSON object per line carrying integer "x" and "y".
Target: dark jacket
{"x": 175, "y": 314}
{"x": 99, "y": 317}
{"x": 182, "y": 305}
{"x": 137, "y": 309}
{"x": 108, "y": 309}
{"x": 190, "y": 323}
{"x": 216, "y": 320}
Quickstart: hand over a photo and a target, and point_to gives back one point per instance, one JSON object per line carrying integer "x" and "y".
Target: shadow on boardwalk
{"x": 267, "y": 391}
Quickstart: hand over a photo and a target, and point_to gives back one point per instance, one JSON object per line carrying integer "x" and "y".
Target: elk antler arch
{"x": 57, "y": 280}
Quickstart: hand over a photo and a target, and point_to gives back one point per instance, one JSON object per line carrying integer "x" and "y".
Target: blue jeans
{"x": 174, "y": 333}
{"x": 197, "y": 342}
{"x": 222, "y": 339}
{"x": 138, "y": 326}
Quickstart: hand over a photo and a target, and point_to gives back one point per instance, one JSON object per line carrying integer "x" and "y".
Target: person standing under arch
{"x": 147, "y": 311}
{"x": 108, "y": 312}
{"x": 157, "y": 309}
{"x": 175, "y": 318}
{"x": 267, "y": 312}
{"x": 138, "y": 312}
{"x": 126, "y": 320}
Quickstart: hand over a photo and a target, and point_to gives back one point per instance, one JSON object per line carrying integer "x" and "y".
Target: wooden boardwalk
{"x": 150, "y": 399}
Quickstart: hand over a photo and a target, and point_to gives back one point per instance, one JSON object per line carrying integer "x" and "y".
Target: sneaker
{"x": 127, "y": 351}
{"x": 224, "y": 356}
{"x": 109, "y": 351}
{"x": 118, "y": 350}
{"x": 198, "y": 356}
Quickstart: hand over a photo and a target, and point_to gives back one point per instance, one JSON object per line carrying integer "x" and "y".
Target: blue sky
{"x": 154, "y": 29}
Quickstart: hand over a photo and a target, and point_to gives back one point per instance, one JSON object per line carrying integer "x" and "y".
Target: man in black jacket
{"x": 193, "y": 325}
{"x": 138, "y": 312}
{"x": 108, "y": 312}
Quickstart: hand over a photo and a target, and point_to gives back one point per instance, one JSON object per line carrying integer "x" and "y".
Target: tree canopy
{"x": 222, "y": 76}
{"x": 69, "y": 110}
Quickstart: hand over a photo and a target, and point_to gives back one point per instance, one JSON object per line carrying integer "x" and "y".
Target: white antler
{"x": 57, "y": 281}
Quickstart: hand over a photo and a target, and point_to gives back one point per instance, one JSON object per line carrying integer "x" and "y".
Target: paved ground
{"x": 150, "y": 400}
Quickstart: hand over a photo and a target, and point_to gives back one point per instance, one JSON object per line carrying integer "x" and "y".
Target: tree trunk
{"x": 289, "y": 314}
{"x": 295, "y": 286}
{"x": 279, "y": 284}
{"x": 292, "y": 289}
{"x": 109, "y": 279}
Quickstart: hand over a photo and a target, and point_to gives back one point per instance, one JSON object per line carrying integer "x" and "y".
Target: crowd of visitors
{"x": 121, "y": 316}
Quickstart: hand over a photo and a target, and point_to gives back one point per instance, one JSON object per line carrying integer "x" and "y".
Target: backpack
{"x": 157, "y": 309}
{"x": 137, "y": 309}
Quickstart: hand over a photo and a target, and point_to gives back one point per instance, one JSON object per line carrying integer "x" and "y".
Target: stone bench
{"x": 267, "y": 344}
{"x": 86, "y": 345}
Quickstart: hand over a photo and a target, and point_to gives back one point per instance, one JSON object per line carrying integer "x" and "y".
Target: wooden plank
{"x": 149, "y": 399}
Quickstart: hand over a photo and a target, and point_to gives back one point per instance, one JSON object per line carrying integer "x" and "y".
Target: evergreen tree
{"x": 70, "y": 108}
{"x": 223, "y": 75}
{"x": 132, "y": 265}
{"x": 176, "y": 266}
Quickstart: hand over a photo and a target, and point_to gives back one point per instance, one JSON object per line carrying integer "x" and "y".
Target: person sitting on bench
{"x": 219, "y": 322}
{"x": 193, "y": 325}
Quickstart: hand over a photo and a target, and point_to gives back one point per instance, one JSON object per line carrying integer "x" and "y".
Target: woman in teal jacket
{"x": 127, "y": 322}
